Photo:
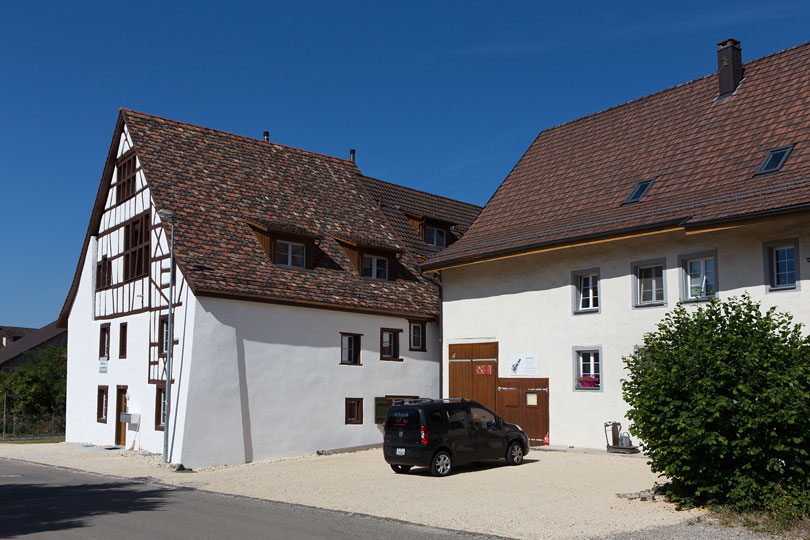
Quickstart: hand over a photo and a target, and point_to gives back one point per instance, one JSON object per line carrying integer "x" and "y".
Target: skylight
{"x": 776, "y": 158}
{"x": 639, "y": 191}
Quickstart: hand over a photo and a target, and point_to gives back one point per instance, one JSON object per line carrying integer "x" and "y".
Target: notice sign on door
{"x": 483, "y": 370}
{"x": 524, "y": 365}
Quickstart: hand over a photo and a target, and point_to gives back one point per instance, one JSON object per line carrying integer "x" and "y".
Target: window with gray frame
{"x": 586, "y": 290}
{"x": 649, "y": 285}
{"x": 775, "y": 159}
{"x": 781, "y": 268}
{"x": 290, "y": 254}
{"x": 587, "y": 368}
{"x": 698, "y": 276}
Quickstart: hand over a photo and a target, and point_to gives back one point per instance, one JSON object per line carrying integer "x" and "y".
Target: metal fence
{"x": 17, "y": 426}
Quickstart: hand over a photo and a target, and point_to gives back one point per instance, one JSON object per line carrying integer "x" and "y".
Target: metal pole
{"x": 4, "y": 415}
{"x": 167, "y": 394}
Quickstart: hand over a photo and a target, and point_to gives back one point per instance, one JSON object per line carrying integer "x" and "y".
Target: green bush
{"x": 720, "y": 398}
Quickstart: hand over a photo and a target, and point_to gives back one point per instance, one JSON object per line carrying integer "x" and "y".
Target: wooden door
{"x": 120, "y": 407}
{"x": 525, "y": 402}
{"x": 474, "y": 372}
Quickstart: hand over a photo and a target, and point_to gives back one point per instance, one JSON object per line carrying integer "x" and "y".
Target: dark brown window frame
{"x": 101, "y": 415}
{"x": 103, "y": 273}
{"x": 137, "y": 244}
{"x": 104, "y": 341}
{"x": 161, "y": 337}
{"x": 122, "y": 340}
{"x": 423, "y": 326}
{"x": 359, "y": 403}
{"x": 125, "y": 182}
{"x": 396, "y": 356}
{"x": 358, "y": 348}
{"x": 160, "y": 391}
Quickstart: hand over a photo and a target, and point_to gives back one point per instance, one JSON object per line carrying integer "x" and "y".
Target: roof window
{"x": 639, "y": 191}
{"x": 776, "y": 158}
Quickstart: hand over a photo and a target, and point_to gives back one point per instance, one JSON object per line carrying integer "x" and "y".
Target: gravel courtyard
{"x": 555, "y": 494}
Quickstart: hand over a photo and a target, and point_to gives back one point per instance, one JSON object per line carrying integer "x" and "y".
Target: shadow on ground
{"x": 33, "y": 508}
{"x": 469, "y": 468}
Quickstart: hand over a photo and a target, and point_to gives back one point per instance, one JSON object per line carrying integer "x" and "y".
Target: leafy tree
{"x": 40, "y": 383}
{"x": 720, "y": 397}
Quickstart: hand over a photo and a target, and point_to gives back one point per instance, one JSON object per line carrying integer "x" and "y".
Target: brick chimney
{"x": 729, "y": 66}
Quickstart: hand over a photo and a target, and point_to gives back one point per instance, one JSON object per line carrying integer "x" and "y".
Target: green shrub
{"x": 720, "y": 398}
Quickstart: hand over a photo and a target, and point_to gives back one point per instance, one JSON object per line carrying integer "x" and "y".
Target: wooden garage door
{"x": 474, "y": 372}
{"x": 525, "y": 402}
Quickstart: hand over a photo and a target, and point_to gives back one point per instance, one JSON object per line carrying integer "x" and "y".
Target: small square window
{"x": 775, "y": 159}
{"x": 389, "y": 344}
{"x": 350, "y": 349}
{"x": 375, "y": 267}
{"x": 290, "y": 254}
{"x": 638, "y": 191}
{"x": 588, "y": 369}
{"x": 586, "y": 290}
{"x": 435, "y": 236}
{"x": 649, "y": 287}
{"x": 781, "y": 268}
{"x": 354, "y": 410}
{"x": 698, "y": 276}
{"x": 417, "y": 336}
{"x": 160, "y": 407}
{"x": 104, "y": 341}
{"x": 101, "y": 404}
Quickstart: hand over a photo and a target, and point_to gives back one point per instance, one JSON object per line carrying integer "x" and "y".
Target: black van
{"x": 442, "y": 433}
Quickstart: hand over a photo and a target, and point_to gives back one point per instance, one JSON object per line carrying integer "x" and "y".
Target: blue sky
{"x": 439, "y": 96}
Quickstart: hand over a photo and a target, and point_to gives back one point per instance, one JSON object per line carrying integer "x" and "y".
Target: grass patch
{"x": 775, "y": 522}
{"x": 33, "y": 441}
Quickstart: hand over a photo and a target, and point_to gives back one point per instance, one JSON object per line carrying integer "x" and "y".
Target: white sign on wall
{"x": 102, "y": 364}
{"x": 524, "y": 365}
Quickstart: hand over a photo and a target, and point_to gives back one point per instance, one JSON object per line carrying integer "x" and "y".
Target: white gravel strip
{"x": 553, "y": 495}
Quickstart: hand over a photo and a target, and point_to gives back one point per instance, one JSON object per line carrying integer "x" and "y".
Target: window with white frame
{"x": 417, "y": 336}
{"x": 375, "y": 267}
{"x": 781, "y": 269}
{"x": 586, "y": 290}
{"x": 435, "y": 236}
{"x": 649, "y": 283}
{"x": 588, "y": 369}
{"x": 699, "y": 276}
{"x": 350, "y": 349}
{"x": 290, "y": 254}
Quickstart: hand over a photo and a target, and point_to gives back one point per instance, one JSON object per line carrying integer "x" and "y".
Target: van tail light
{"x": 424, "y": 434}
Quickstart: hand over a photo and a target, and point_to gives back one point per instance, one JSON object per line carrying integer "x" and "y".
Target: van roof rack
{"x": 427, "y": 400}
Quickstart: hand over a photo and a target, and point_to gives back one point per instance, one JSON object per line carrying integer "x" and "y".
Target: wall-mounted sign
{"x": 483, "y": 370}
{"x": 102, "y": 364}
{"x": 526, "y": 365}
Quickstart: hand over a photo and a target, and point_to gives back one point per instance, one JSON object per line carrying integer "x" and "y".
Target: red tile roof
{"x": 218, "y": 184}
{"x": 702, "y": 152}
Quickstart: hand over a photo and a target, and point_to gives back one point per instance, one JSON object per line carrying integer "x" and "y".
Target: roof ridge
{"x": 640, "y": 98}
{"x": 237, "y": 135}
{"x": 422, "y": 192}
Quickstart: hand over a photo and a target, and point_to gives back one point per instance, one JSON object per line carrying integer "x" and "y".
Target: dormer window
{"x": 639, "y": 191}
{"x": 775, "y": 159}
{"x": 375, "y": 267}
{"x": 290, "y": 254}
{"x": 435, "y": 236}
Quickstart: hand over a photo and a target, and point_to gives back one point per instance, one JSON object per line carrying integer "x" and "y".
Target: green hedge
{"x": 720, "y": 397}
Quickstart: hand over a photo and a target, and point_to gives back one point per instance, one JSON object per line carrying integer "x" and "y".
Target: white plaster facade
{"x": 525, "y": 303}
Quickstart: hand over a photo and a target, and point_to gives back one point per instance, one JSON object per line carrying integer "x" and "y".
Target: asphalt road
{"x": 37, "y": 501}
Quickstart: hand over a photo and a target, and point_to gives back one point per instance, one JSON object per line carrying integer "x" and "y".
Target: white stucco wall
{"x": 525, "y": 304}
{"x": 267, "y": 382}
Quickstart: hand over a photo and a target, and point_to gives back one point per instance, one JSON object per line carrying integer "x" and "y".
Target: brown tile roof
{"x": 219, "y": 184}
{"x": 31, "y": 340}
{"x": 397, "y": 202}
{"x": 703, "y": 153}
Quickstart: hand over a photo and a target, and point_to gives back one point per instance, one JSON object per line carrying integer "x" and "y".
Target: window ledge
{"x": 772, "y": 288}
{"x": 698, "y": 300}
{"x": 418, "y": 350}
{"x": 391, "y": 359}
{"x": 589, "y": 310}
{"x": 588, "y": 388}
{"x": 351, "y": 364}
{"x": 650, "y": 304}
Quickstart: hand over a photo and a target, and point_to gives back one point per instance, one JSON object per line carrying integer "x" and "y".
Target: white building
{"x": 299, "y": 307}
{"x": 607, "y": 222}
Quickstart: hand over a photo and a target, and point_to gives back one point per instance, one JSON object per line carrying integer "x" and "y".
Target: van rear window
{"x": 402, "y": 418}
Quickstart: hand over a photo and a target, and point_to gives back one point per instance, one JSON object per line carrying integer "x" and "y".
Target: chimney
{"x": 729, "y": 66}
{"x": 266, "y": 136}
{"x": 351, "y": 154}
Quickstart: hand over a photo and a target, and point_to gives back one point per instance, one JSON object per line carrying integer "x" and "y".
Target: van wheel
{"x": 441, "y": 464}
{"x": 514, "y": 455}
{"x": 401, "y": 469}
